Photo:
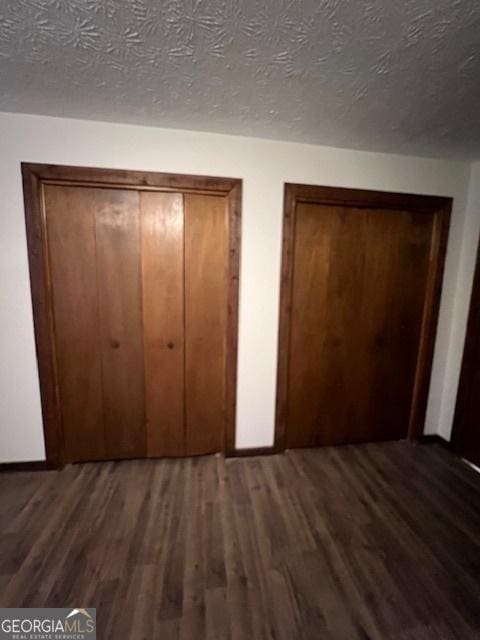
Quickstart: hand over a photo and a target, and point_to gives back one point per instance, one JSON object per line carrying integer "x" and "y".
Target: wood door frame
{"x": 469, "y": 363}
{"x": 358, "y": 198}
{"x": 34, "y": 176}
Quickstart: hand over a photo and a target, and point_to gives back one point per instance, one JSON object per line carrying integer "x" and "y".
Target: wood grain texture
{"x": 234, "y": 222}
{"x": 72, "y": 253}
{"x": 162, "y": 233}
{"x": 431, "y": 310}
{"x": 377, "y": 541}
{"x": 120, "y": 316}
{"x": 437, "y": 212}
{"x": 135, "y": 179}
{"x": 206, "y": 309}
{"x": 42, "y": 313}
{"x": 466, "y": 431}
{"x": 358, "y": 293}
{"x": 339, "y": 196}
{"x": 35, "y": 177}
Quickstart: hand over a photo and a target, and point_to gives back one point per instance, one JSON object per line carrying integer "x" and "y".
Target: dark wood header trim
{"x": 361, "y": 198}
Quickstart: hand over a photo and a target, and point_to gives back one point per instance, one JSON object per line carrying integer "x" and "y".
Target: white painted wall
{"x": 442, "y": 404}
{"x": 264, "y": 166}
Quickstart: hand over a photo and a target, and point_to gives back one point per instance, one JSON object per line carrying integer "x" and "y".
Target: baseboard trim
{"x": 31, "y": 465}
{"x": 251, "y": 452}
{"x": 434, "y": 439}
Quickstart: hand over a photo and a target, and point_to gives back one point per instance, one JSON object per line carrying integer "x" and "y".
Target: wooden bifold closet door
{"x": 360, "y": 294}
{"x": 138, "y": 283}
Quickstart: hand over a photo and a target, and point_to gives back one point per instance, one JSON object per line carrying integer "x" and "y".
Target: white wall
{"x": 264, "y": 167}
{"x": 442, "y": 404}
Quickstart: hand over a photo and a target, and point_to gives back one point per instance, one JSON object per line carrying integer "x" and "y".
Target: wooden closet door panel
{"x": 121, "y": 331}
{"x": 359, "y": 285}
{"x": 71, "y": 245}
{"x": 206, "y": 308}
{"x": 308, "y": 387}
{"x": 163, "y": 321}
{"x": 397, "y": 249}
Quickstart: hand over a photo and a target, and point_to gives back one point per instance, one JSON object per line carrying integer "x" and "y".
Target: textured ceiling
{"x": 394, "y": 75}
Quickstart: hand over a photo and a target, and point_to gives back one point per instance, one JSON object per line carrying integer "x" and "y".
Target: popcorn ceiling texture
{"x": 398, "y": 76}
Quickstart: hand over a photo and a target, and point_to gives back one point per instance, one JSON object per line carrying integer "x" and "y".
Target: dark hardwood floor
{"x": 376, "y": 541}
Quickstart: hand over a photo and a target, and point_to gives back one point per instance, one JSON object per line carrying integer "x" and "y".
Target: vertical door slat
{"x": 71, "y": 243}
{"x": 163, "y": 321}
{"x": 121, "y": 330}
{"x": 206, "y": 306}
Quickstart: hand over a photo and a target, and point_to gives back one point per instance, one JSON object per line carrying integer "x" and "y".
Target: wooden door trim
{"x": 34, "y": 176}
{"x": 124, "y": 179}
{"x": 440, "y": 207}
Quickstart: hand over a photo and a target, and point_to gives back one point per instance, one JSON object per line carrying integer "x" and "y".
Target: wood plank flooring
{"x": 377, "y": 541}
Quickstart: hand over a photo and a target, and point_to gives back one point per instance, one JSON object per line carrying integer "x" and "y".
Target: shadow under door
{"x": 139, "y": 292}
